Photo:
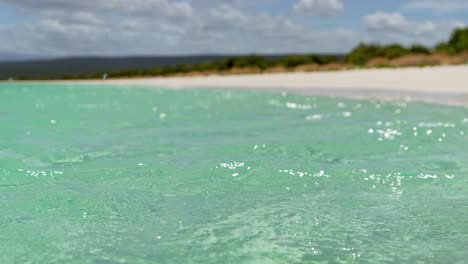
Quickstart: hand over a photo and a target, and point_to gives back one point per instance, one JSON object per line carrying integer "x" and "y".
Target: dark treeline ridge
{"x": 86, "y": 66}
{"x": 360, "y": 56}
{"x": 248, "y": 62}
{"x": 95, "y": 67}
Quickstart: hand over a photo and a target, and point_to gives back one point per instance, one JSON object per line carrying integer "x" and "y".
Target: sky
{"x": 58, "y": 28}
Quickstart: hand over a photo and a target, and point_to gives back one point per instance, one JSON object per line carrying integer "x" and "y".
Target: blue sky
{"x": 56, "y": 28}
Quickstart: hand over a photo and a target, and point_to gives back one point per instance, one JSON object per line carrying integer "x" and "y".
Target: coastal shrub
{"x": 457, "y": 43}
{"x": 227, "y": 64}
{"x": 459, "y": 40}
{"x": 362, "y": 54}
{"x": 252, "y": 61}
{"x": 204, "y": 67}
{"x": 298, "y": 60}
{"x": 294, "y": 61}
{"x": 419, "y": 49}
{"x": 182, "y": 69}
{"x": 444, "y": 47}
{"x": 323, "y": 59}
{"x": 392, "y": 51}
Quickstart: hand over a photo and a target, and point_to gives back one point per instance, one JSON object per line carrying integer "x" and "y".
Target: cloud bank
{"x": 150, "y": 27}
{"x": 321, "y": 8}
{"x": 438, "y": 6}
{"x": 115, "y": 27}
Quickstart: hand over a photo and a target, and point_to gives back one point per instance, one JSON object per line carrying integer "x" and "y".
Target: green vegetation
{"x": 459, "y": 40}
{"x": 370, "y": 55}
{"x": 443, "y": 47}
{"x": 458, "y": 43}
{"x": 364, "y": 53}
{"x": 419, "y": 49}
{"x": 252, "y": 62}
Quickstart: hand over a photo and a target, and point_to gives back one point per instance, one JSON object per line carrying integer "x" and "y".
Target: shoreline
{"x": 437, "y": 84}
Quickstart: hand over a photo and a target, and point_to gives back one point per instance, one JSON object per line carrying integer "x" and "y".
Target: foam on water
{"x": 128, "y": 175}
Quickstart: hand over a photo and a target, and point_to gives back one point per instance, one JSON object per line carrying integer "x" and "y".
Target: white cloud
{"x": 107, "y": 28}
{"x": 164, "y": 8}
{"x": 381, "y": 21}
{"x": 438, "y": 6}
{"x": 394, "y": 27}
{"x": 322, "y": 8}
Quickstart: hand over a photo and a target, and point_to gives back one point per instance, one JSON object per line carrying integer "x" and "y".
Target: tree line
{"x": 363, "y": 53}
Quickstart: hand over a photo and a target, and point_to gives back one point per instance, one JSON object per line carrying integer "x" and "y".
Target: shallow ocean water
{"x": 94, "y": 174}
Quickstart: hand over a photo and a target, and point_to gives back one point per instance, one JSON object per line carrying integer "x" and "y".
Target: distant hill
{"x": 11, "y": 57}
{"x": 59, "y": 68}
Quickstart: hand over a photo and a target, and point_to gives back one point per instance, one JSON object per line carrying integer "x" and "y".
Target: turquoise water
{"x": 128, "y": 175}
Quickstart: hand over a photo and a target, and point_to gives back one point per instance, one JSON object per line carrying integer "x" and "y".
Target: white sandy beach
{"x": 444, "y": 79}
{"x": 439, "y": 84}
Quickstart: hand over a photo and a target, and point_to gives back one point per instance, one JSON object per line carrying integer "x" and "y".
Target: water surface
{"x": 94, "y": 174}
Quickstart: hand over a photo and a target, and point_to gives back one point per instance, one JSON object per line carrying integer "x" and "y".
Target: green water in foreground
{"x": 128, "y": 175}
